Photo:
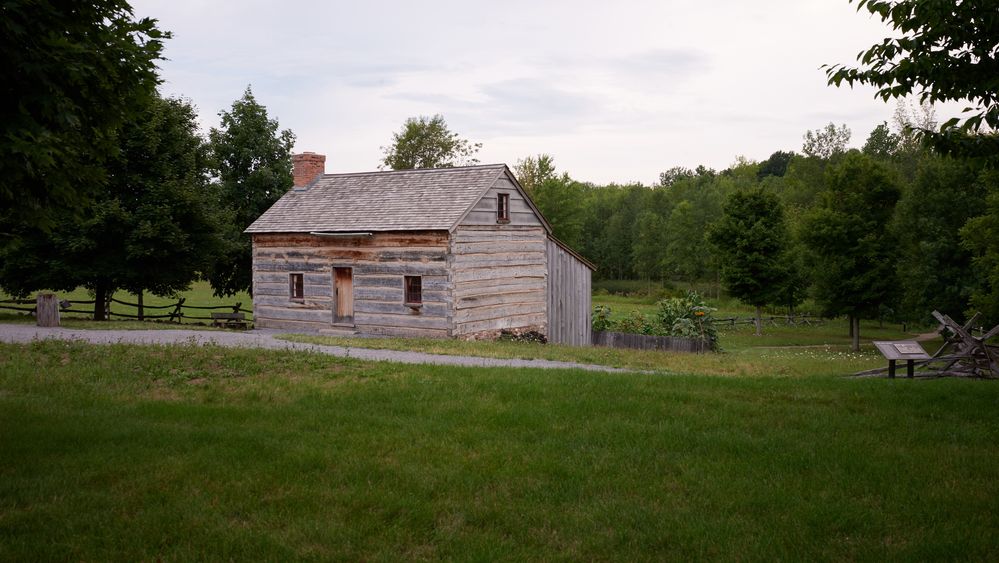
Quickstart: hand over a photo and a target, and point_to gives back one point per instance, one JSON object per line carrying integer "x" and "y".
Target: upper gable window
{"x": 503, "y": 208}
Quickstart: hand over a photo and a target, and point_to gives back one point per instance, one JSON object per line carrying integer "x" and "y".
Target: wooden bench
{"x": 229, "y": 320}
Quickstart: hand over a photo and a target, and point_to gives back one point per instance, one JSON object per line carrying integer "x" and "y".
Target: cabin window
{"x": 296, "y": 286}
{"x": 503, "y": 208}
{"x": 414, "y": 290}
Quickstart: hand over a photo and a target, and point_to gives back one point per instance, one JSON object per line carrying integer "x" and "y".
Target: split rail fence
{"x": 171, "y": 312}
{"x": 772, "y": 320}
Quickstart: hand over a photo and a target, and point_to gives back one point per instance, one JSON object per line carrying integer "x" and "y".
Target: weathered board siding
{"x": 569, "y": 306}
{"x": 379, "y": 263}
{"x": 498, "y": 278}
{"x": 484, "y": 211}
{"x": 649, "y": 342}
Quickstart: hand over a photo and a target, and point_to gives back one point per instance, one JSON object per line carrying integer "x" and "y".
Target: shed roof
{"x": 430, "y": 199}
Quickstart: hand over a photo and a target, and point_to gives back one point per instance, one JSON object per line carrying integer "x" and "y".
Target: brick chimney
{"x": 306, "y": 167}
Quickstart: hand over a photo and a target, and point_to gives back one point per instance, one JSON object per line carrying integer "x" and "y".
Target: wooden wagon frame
{"x": 962, "y": 354}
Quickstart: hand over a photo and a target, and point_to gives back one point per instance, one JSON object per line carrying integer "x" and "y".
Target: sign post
{"x": 908, "y": 350}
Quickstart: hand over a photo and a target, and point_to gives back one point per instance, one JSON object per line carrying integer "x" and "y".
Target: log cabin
{"x": 450, "y": 253}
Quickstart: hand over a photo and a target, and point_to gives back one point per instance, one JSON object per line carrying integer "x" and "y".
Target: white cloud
{"x": 615, "y": 91}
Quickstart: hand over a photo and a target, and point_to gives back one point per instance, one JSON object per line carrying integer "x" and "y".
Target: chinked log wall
{"x": 498, "y": 275}
{"x": 379, "y": 263}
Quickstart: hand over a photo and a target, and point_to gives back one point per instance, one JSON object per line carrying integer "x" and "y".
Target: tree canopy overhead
{"x": 152, "y": 228}
{"x": 947, "y": 51}
{"x": 427, "y": 142}
{"x": 71, "y": 74}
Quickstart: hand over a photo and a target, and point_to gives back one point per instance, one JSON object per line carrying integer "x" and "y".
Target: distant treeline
{"x": 937, "y": 234}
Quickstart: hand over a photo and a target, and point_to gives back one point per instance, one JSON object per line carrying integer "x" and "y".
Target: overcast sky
{"x": 614, "y": 91}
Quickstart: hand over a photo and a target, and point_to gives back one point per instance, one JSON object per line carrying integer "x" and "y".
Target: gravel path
{"x": 266, "y": 339}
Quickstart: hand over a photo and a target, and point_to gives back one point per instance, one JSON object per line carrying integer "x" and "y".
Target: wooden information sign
{"x": 908, "y": 350}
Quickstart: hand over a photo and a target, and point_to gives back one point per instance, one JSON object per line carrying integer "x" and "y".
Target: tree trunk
{"x": 855, "y": 332}
{"x": 139, "y": 303}
{"x": 100, "y": 302}
{"x": 759, "y": 320}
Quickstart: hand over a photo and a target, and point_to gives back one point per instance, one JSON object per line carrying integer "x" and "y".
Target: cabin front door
{"x": 343, "y": 296}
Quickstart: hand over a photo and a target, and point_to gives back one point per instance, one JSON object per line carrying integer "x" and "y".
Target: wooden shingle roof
{"x": 432, "y": 199}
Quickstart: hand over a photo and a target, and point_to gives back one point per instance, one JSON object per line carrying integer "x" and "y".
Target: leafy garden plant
{"x": 689, "y": 317}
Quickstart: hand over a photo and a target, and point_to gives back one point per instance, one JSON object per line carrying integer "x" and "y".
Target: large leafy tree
{"x": 161, "y": 179}
{"x": 427, "y": 142}
{"x": 944, "y": 51}
{"x": 776, "y": 165}
{"x": 751, "y": 241}
{"x": 945, "y": 194}
{"x": 71, "y": 74}
{"x": 852, "y": 251}
{"x": 151, "y": 228}
{"x": 882, "y": 143}
{"x": 981, "y": 236}
{"x": 827, "y": 142}
{"x": 685, "y": 257}
{"x": 532, "y": 171}
{"x": 649, "y": 245}
{"x": 674, "y": 175}
{"x": 559, "y": 198}
{"x": 251, "y": 157}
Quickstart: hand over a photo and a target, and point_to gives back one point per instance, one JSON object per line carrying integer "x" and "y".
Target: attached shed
{"x": 451, "y": 252}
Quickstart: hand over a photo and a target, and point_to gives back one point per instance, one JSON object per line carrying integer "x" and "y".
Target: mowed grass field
{"x": 176, "y": 453}
{"x": 819, "y": 349}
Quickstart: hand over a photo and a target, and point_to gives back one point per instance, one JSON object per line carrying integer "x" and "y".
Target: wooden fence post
{"x": 47, "y": 309}
{"x": 178, "y": 313}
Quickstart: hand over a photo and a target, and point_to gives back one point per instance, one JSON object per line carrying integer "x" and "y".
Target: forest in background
{"x": 108, "y": 185}
{"x": 928, "y": 250}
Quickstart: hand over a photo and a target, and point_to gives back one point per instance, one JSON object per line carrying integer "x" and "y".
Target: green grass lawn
{"x": 199, "y": 295}
{"x": 141, "y": 453}
{"x": 794, "y": 361}
{"x": 822, "y": 349}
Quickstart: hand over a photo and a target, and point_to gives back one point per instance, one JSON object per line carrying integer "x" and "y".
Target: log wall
{"x": 569, "y": 298}
{"x": 379, "y": 264}
{"x": 498, "y": 278}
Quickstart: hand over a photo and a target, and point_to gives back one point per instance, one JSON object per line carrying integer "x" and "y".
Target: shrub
{"x": 601, "y": 318}
{"x": 636, "y": 323}
{"x": 688, "y": 316}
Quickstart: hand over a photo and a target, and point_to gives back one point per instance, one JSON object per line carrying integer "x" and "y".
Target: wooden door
{"x": 343, "y": 296}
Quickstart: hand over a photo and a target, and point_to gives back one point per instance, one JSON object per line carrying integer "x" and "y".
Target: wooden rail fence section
{"x": 171, "y": 312}
{"x": 772, "y": 320}
{"x": 647, "y": 342}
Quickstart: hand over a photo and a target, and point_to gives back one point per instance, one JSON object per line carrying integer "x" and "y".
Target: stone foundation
{"x": 495, "y": 334}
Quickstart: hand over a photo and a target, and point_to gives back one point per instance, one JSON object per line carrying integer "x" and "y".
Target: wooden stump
{"x": 47, "y": 310}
